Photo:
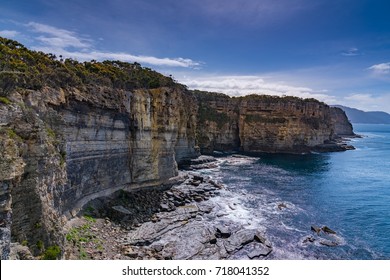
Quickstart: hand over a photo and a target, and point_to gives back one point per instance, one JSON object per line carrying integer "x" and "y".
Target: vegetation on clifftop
{"x": 20, "y": 67}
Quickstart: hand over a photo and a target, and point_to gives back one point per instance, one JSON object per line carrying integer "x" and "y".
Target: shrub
{"x": 52, "y": 253}
{"x": 5, "y": 100}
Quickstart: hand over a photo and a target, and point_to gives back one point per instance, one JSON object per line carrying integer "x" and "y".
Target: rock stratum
{"x": 72, "y": 132}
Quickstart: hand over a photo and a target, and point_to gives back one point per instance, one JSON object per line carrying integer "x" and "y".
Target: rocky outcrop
{"x": 342, "y": 126}
{"x": 257, "y": 123}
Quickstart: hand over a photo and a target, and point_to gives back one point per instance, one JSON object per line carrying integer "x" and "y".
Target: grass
{"x": 13, "y": 135}
{"x": 51, "y": 132}
{"x": 5, "y": 100}
{"x": 81, "y": 235}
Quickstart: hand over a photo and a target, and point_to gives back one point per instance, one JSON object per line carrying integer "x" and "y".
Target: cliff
{"x": 71, "y": 132}
{"x": 262, "y": 123}
{"x": 71, "y": 146}
{"x": 342, "y": 125}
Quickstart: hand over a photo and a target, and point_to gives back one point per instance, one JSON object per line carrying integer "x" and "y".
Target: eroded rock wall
{"x": 273, "y": 124}
{"x": 259, "y": 123}
{"x": 64, "y": 147}
{"x": 218, "y": 122}
{"x": 75, "y": 145}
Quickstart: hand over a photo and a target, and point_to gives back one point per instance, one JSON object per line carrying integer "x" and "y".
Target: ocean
{"x": 348, "y": 192}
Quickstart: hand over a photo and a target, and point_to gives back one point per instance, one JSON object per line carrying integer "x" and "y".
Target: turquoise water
{"x": 347, "y": 191}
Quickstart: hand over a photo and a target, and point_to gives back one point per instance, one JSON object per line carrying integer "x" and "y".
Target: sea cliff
{"x": 72, "y": 132}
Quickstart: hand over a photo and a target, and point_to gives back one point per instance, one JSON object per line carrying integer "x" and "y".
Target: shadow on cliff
{"x": 128, "y": 209}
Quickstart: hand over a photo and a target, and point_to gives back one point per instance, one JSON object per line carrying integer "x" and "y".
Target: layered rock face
{"x": 63, "y": 148}
{"x": 218, "y": 122}
{"x": 66, "y": 147}
{"x": 258, "y": 123}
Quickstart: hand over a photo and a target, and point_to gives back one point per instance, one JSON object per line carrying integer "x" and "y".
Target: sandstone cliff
{"x": 261, "y": 123}
{"x": 71, "y": 132}
{"x": 64, "y": 147}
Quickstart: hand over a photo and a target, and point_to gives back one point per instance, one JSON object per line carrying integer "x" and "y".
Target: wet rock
{"x": 195, "y": 183}
{"x": 316, "y": 229}
{"x": 281, "y": 206}
{"x": 328, "y": 243}
{"x": 309, "y": 239}
{"x": 222, "y": 232}
{"x": 259, "y": 237}
{"x": 198, "y": 178}
{"x": 328, "y": 230}
{"x": 239, "y": 239}
{"x": 206, "y": 207}
{"x": 213, "y": 240}
{"x": 259, "y": 250}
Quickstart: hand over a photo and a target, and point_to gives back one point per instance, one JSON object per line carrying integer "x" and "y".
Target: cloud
{"x": 100, "y": 56}
{"x": 59, "y": 38}
{"x": 9, "y": 33}
{"x": 382, "y": 68}
{"x": 244, "y": 85}
{"x": 70, "y": 45}
{"x": 351, "y": 52}
{"x": 251, "y": 12}
{"x": 368, "y": 102}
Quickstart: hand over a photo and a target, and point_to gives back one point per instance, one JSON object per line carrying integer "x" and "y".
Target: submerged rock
{"x": 328, "y": 230}
{"x": 316, "y": 229}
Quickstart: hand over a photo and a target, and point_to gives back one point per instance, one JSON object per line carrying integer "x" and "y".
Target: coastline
{"x": 197, "y": 218}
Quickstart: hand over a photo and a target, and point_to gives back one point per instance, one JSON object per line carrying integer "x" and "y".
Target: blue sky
{"x": 337, "y": 51}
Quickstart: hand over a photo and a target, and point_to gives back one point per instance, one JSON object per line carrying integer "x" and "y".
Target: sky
{"x": 337, "y": 51}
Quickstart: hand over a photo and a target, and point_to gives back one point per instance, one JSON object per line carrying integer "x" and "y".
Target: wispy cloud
{"x": 382, "y": 68}
{"x": 59, "y": 38}
{"x": 9, "y": 33}
{"x": 70, "y": 44}
{"x": 251, "y": 12}
{"x": 351, "y": 52}
{"x": 244, "y": 85}
{"x": 98, "y": 55}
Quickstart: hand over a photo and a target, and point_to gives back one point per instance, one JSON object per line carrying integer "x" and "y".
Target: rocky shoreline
{"x": 197, "y": 218}
{"x": 194, "y": 220}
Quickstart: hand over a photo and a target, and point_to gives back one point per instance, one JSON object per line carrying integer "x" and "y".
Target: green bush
{"x": 52, "y": 253}
{"x": 23, "y": 68}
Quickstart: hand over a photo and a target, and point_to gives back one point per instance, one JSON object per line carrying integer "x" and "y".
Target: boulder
{"x": 222, "y": 232}
{"x": 259, "y": 250}
{"x": 328, "y": 230}
{"x": 328, "y": 243}
{"x": 261, "y": 239}
{"x": 316, "y": 229}
{"x": 239, "y": 239}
